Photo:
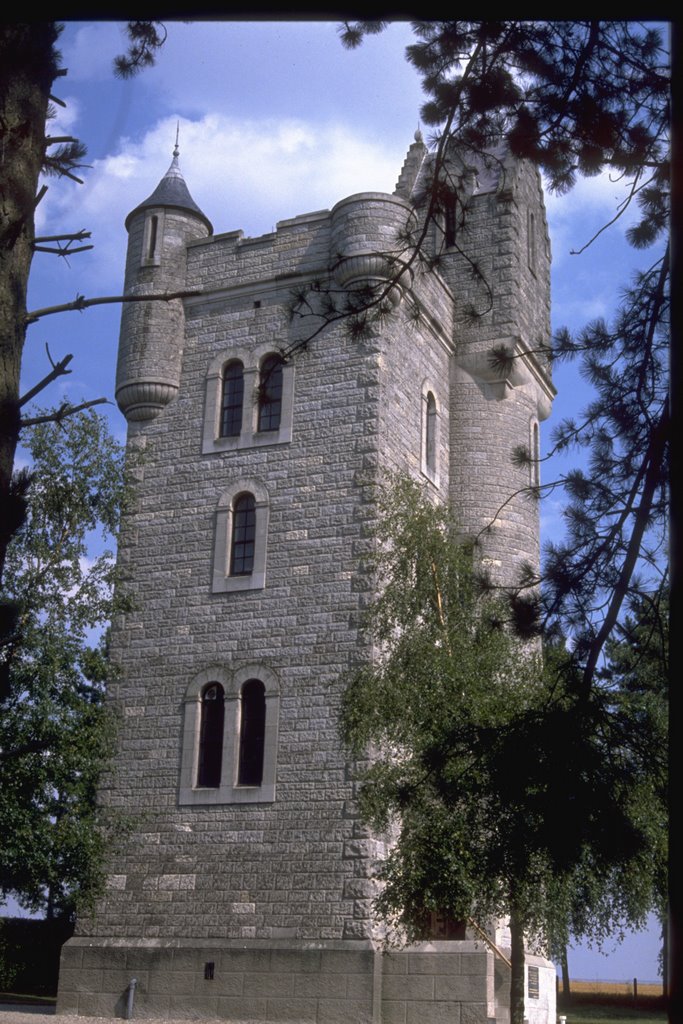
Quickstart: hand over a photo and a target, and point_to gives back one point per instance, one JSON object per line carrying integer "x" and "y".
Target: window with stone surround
{"x": 430, "y": 434}
{"x": 240, "y": 537}
{"x": 244, "y": 756}
{"x": 253, "y": 412}
{"x": 151, "y": 239}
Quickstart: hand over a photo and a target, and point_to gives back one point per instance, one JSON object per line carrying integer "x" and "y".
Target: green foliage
{"x": 504, "y": 789}
{"x": 55, "y": 735}
{"x": 145, "y": 39}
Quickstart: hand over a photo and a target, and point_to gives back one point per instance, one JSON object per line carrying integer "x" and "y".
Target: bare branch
{"x": 81, "y": 302}
{"x": 54, "y": 140}
{"x": 58, "y": 370}
{"x": 61, "y": 413}
{"x": 65, "y": 251}
{"x": 77, "y": 236}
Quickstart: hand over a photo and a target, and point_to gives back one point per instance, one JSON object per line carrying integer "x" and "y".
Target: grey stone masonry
{"x": 244, "y": 890}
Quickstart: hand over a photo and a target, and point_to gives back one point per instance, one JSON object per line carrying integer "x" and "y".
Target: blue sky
{"x": 276, "y": 119}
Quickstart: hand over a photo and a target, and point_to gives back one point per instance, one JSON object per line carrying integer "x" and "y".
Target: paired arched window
{"x": 243, "y": 535}
{"x": 232, "y": 399}
{"x": 249, "y": 400}
{"x": 252, "y": 734}
{"x": 230, "y": 732}
{"x": 211, "y": 736}
{"x": 270, "y": 393}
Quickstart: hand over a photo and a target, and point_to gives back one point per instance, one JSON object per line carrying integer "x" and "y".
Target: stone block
{"x": 302, "y": 1011}
{"x": 435, "y": 1013}
{"x": 408, "y": 986}
{"x": 344, "y": 1011}
{"x": 466, "y": 988}
{"x": 236, "y": 1008}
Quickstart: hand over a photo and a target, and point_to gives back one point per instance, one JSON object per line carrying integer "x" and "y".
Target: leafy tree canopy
{"x": 54, "y": 732}
{"x": 503, "y": 791}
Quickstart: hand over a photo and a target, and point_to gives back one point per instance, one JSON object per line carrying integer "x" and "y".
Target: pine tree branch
{"x": 652, "y": 476}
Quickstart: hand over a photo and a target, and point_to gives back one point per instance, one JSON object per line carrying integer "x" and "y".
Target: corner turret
{"x": 151, "y": 339}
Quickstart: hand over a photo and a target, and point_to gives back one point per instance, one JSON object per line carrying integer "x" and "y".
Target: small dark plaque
{"x": 532, "y": 983}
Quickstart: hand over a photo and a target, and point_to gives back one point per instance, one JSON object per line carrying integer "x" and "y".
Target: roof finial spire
{"x": 176, "y": 151}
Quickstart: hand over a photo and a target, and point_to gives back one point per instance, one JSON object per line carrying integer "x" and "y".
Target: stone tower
{"x": 245, "y": 889}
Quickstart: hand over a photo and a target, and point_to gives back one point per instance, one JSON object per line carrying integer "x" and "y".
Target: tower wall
{"x": 497, "y": 409}
{"x": 254, "y": 902}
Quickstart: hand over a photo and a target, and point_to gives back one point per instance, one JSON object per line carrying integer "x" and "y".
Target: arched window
{"x": 252, "y": 733}
{"x": 232, "y": 399}
{"x": 211, "y": 736}
{"x": 243, "y": 535}
{"x": 270, "y": 393}
{"x": 430, "y": 426}
{"x": 430, "y": 435}
{"x": 240, "y": 537}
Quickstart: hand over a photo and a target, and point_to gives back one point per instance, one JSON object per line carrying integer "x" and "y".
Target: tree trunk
{"x": 27, "y": 70}
{"x": 566, "y": 988}
{"x": 517, "y": 970}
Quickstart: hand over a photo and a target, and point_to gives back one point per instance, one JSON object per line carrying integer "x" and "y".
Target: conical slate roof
{"x": 172, "y": 191}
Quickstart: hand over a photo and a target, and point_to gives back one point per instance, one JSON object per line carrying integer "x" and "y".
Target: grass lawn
{"x": 609, "y": 1012}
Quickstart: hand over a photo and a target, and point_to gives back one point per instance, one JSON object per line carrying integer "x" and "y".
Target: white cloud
{"x": 88, "y": 50}
{"x": 244, "y": 174}
{"x": 575, "y": 218}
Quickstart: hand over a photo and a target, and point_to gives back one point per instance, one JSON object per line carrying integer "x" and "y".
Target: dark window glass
{"x": 243, "y": 535}
{"x": 430, "y": 439}
{"x": 252, "y": 733}
{"x": 270, "y": 393}
{"x": 232, "y": 400}
{"x": 153, "y": 229}
{"x": 211, "y": 736}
